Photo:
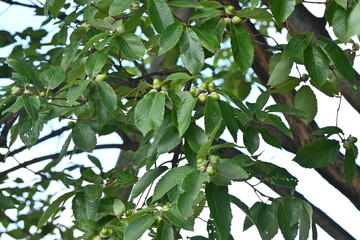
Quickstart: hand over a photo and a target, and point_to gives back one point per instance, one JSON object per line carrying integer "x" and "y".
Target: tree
{"x": 169, "y": 77}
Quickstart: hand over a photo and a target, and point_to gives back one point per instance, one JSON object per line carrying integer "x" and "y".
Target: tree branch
{"x": 10, "y": 2}
{"x": 131, "y": 146}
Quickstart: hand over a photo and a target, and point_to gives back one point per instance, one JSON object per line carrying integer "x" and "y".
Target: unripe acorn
{"x": 42, "y": 94}
{"x": 195, "y": 92}
{"x": 305, "y": 76}
{"x": 355, "y": 47}
{"x": 211, "y": 86}
{"x": 214, "y": 159}
{"x": 204, "y": 87}
{"x": 236, "y": 20}
{"x": 202, "y": 97}
{"x": 200, "y": 161}
{"x": 211, "y": 170}
{"x": 202, "y": 168}
{"x": 230, "y": 10}
{"x": 162, "y": 92}
{"x": 156, "y": 83}
{"x": 100, "y": 77}
{"x": 352, "y": 139}
{"x": 105, "y": 232}
{"x": 121, "y": 29}
{"x": 28, "y": 92}
{"x": 15, "y": 90}
{"x": 347, "y": 146}
{"x": 165, "y": 207}
{"x": 227, "y": 20}
{"x": 214, "y": 96}
{"x": 153, "y": 90}
{"x": 128, "y": 212}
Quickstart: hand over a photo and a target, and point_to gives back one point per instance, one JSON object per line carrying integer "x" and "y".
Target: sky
{"x": 311, "y": 184}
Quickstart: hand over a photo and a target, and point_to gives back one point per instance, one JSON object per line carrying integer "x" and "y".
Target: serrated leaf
{"x": 212, "y": 115}
{"x": 21, "y": 67}
{"x": 184, "y": 113}
{"x": 284, "y": 109}
{"x": 76, "y": 91}
{"x": 305, "y": 221}
{"x": 254, "y": 13}
{"x": 295, "y": 46}
{"x": 175, "y": 217}
{"x": 146, "y": 180}
{"x": 251, "y": 139}
{"x": 92, "y": 197}
{"x": 84, "y": 137}
{"x": 170, "y": 37}
{"x": 160, "y": 14}
{"x": 286, "y": 86}
{"x": 164, "y": 231}
{"x": 53, "y": 208}
{"x": 219, "y": 205}
{"x": 131, "y": 46}
{"x": 136, "y": 228}
{"x": 191, "y": 51}
{"x": 149, "y": 112}
{"x": 281, "y": 9}
{"x": 94, "y": 63}
{"x": 52, "y": 77}
{"x": 207, "y": 38}
{"x": 339, "y": 59}
{"x": 195, "y": 137}
{"x": 107, "y": 95}
{"x": 339, "y": 24}
{"x": 119, "y": 6}
{"x": 318, "y": 153}
{"x": 354, "y": 19}
{"x": 55, "y": 7}
{"x": 241, "y": 47}
{"x": 317, "y": 64}
{"x": 305, "y": 100}
{"x": 281, "y": 72}
{"x": 191, "y": 187}
{"x": 350, "y": 164}
{"x": 205, "y": 12}
{"x": 169, "y": 180}
{"x": 276, "y": 121}
{"x": 328, "y": 131}
{"x": 31, "y": 105}
{"x": 229, "y": 119}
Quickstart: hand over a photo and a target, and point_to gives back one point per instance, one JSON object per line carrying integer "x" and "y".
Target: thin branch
{"x": 130, "y": 146}
{"x": 19, "y": 4}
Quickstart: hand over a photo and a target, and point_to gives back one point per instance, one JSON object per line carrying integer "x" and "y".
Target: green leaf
{"x": 131, "y": 46}
{"x": 328, "y": 131}
{"x": 281, "y": 72}
{"x": 117, "y": 7}
{"x": 354, "y": 19}
{"x": 170, "y": 37}
{"x": 136, "y": 228}
{"x": 286, "y": 86}
{"x": 94, "y": 63}
{"x": 167, "y": 139}
{"x": 53, "y": 208}
{"x": 305, "y": 100}
{"x": 339, "y": 59}
{"x": 31, "y": 105}
{"x": 227, "y": 171}
{"x": 211, "y": 4}
{"x": 276, "y": 121}
{"x": 195, "y": 137}
{"x": 93, "y": 40}
{"x": 92, "y": 197}
{"x": 251, "y": 139}
{"x": 212, "y": 115}
{"x": 318, "y": 153}
{"x": 219, "y": 205}
{"x": 342, "y": 3}
{"x": 164, "y": 231}
{"x": 21, "y": 67}
{"x": 288, "y": 230}
{"x": 204, "y": 13}
{"x": 52, "y": 77}
{"x": 207, "y": 38}
{"x": 175, "y": 217}
{"x": 184, "y": 113}
{"x": 191, "y": 51}
{"x": 229, "y": 118}
{"x": 296, "y": 45}
{"x": 6, "y": 38}
{"x": 107, "y": 95}
{"x": 146, "y": 180}
{"x": 76, "y": 91}
{"x": 281, "y": 9}
{"x": 241, "y": 46}
{"x": 305, "y": 221}
{"x": 284, "y": 109}
{"x": 149, "y": 112}
{"x": 339, "y": 24}
{"x": 119, "y": 207}
{"x": 182, "y": 3}
{"x": 191, "y": 187}
{"x": 160, "y": 14}
{"x": 254, "y": 13}
{"x": 55, "y": 7}
{"x": 317, "y": 64}
{"x": 169, "y": 180}
{"x": 84, "y": 137}
{"x": 350, "y": 164}
{"x": 268, "y": 138}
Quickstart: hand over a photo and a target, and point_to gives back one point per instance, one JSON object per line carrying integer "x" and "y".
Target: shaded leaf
{"x": 281, "y": 9}
{"x": 52, "y": 77}
{"x": 305, "y": 100}
{"x": 94, "y": 63}
{"x": 84, "y": 137}
{"x": 160, "y": 14}
{"x": 317, "y": 64}
{"x": 191, "y": 51}
{"x": 137, "y": 228}
{"x": 170, "y": 37}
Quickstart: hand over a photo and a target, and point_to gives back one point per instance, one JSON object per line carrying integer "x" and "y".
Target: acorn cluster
{"x": 209, "y": 164}
{"x": 231, "y": 17}
{"x": 350, "y": 141}
{"x": 159, "y": 86}
{"x": 204, "y": 91}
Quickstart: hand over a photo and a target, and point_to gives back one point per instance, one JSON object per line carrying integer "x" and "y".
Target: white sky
{"x": 315, "y": 188}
